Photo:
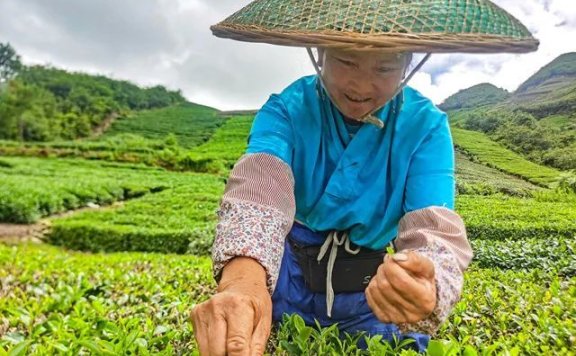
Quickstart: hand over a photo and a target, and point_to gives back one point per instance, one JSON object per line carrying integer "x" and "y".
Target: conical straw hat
{"x": 433, "y": 26}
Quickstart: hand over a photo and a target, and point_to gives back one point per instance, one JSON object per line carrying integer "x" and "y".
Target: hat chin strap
{"x": 370, "y": 118}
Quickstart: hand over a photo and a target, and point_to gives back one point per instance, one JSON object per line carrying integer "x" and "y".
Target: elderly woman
{"x": 342, "y": 164}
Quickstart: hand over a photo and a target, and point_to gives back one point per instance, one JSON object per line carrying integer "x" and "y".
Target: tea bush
{"x": 53, "y": 301}
{"x": 502, "y": 217}
{"x": 32, "y": 188}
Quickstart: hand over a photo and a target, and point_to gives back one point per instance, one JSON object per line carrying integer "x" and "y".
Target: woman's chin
{"x": 357, "y": 115}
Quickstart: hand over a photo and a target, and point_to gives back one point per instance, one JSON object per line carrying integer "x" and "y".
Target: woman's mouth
{"x": 356, "y": 99}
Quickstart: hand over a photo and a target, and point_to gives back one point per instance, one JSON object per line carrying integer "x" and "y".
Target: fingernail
{"x": 400, "y": 257}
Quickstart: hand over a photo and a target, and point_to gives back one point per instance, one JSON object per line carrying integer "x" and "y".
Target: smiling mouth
{"x": 357, "y": 100}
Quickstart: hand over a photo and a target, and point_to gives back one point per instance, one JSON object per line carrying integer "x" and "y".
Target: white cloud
{"x": 169, "y": 42}
{"x": 552, "y": 22}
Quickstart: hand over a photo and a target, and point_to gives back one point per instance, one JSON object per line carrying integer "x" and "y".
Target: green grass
{"x": 192, "y": 124}
{"x": 135, "y": 303}
{"x": 494, "y": 155}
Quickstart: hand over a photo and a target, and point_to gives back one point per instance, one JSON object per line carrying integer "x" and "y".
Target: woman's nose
{"x": 361, "y": 82}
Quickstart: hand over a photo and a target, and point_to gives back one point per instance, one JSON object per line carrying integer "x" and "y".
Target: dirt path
{"x": 18, "y": 233}
{"x": 104, "y": 125}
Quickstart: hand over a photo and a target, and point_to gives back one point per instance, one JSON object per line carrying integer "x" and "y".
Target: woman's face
{"x": 361, "y": 82}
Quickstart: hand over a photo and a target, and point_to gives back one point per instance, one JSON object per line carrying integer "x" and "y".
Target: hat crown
{"x": 262, "y": 20}
{"x": 382, "y": 16}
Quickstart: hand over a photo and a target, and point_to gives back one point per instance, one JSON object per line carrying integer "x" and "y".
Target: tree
{"x": 10, "y": 63}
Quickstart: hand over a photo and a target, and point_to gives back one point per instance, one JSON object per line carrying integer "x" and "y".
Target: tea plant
{"x": 53, "y": 301}
{"x": 31, "y": 188}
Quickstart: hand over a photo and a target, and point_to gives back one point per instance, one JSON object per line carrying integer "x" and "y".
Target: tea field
{"x": 479, "y": 147}
{"x": 121, "y": 279}
{"x": 191, "y": 124}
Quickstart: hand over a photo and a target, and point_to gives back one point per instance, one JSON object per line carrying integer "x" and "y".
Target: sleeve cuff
{"x": 439, "y": 234}
{"x": 250, "y": 230}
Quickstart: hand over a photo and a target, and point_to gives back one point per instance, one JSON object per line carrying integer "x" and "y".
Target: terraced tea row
{"x": 191, "y": 124}
{"x": 492, "y": 154}
{"x": 500, "y": 217}
{"x": 178, "y": 220}
{"x": 33, "y": 188}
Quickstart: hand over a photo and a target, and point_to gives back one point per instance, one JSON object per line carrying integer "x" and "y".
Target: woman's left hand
{"x": 404, "y": 289}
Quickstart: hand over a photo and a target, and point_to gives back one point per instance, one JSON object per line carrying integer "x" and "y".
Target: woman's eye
{"x": 345, "y": 62}
{"x": 384, "y": 70}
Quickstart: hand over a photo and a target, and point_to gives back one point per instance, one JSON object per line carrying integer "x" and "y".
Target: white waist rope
{"x": 333, "y": 239}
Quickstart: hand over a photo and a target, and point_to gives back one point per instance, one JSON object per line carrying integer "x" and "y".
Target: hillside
{"x": 537, "y": 121}
{"x": 562, "y": 69}
{"x": 476, "y": 96}
{"x": 191, "y": 124}
{"x": 43, "y": 103}
{"x": 551, "y": 91}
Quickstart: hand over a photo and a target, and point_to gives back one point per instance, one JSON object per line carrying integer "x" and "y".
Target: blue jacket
{"x": 363, "y": 184}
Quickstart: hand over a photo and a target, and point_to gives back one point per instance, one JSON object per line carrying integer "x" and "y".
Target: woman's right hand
{"x": 238, "y": 318}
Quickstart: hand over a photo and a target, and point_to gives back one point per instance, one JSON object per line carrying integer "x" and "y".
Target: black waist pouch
{"x": 351, "y": 273}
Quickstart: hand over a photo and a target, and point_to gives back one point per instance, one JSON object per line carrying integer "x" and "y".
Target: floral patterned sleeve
{"x": 256, "y": 214}
{"x": 439, "y": 234}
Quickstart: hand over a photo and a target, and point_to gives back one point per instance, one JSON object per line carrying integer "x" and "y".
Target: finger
{"x": 418, "y": 293}
{"x": 380, "y": 314}
{"x": 401, "y": 292}
{"x": 240, "y": 327}
{"x": 379, "y": 293}
{"x": 217, "y": 336}
{"x": 416, "y": 263}
{"x": 399, "y": 285}
{"x": 200, "y": 329}
{"x": 261, "y": 335}
{"x": 402, "y": 282}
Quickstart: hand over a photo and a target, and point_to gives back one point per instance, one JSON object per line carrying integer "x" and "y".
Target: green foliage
{"x": 478, "y": 95}
{"x": 138, "y": 303}
{"x": 530, "y": 312}
{"x": 216, "y": 156}
{"x": 33, "y": 187}
{"x": 537, "y": 121}
{"x": 492, "y": 154}
{"x": 550, "y": 253}
{"x": 76, "y": 303}
{"x": 522, "y": 133}
{"x": 184, "y": 223}
{"x": 477, "y": 179}
{"x": 228, "y": 142}
{"x": 190, "y": 124}
{"x": 10, "y": 63}
{"x": 26, "y": 113}
{"x": 296, "y": 338}
{"x": 566, "y": 183}
{"x": 500, "y": 217}
{"x": 46, "y": 104}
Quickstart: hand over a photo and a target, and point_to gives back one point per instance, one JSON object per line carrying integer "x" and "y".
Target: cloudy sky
{"x": 168, "y": 42}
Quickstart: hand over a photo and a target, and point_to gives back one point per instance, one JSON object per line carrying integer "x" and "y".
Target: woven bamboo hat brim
{"x": 433, "y": 26}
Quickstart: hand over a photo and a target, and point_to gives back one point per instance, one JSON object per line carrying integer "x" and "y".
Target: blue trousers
{"x": 350, "y": 310}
